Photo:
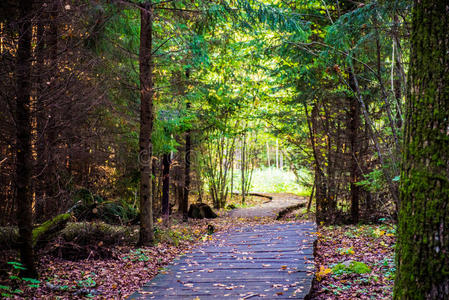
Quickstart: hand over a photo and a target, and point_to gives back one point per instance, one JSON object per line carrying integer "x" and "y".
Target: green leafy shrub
{"x": 7, "y": 291}
{"x": 93, "y": 207}
{"x": 117, "y": 212}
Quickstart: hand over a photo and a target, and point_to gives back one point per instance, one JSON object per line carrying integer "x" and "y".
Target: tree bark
{"x": 185, "y": 200}
{"x": 243, "y": 168}
{"x": 166, "y": 184}
{"x": 23, "y": 139}
{"x": 423, "y": 230}
{"x": 354, "y": 145}
{"x": 320, "y": 182}
{"x": 146, "y": 235}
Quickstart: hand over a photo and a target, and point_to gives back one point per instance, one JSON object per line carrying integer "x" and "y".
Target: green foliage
{"x": 353, "y": 267}
{"x": 7, "y": 291}
{"x": 86, "y": 197}
{"x": 49, "y": 225}
{"x": 137, "y": 255}
{"x": 94, "y": 207}
{"x": 117, "y": 212}
{"x": 89, "y": 282}
{"x": 169, "y": 236}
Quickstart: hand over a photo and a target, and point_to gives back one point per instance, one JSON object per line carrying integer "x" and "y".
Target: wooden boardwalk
{"x": 255, "y": 262}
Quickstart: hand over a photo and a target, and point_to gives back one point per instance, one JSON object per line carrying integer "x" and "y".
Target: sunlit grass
{"x": 273, "y": 180}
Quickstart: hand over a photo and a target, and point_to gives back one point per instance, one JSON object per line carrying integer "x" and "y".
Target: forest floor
{"x": 340, "y": 252}
{"x": 113, "y": 271}
{"x": 353, "y": 261}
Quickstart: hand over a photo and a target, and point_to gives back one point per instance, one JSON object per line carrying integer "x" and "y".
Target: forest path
{"x": 258, "y": 262}
{"x": 278, "y": 203}
{"x": 270, "y": 261}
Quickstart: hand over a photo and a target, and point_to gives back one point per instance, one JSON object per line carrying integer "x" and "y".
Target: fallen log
{"x": 49, "y": 229}
{"x": 254, "y": 194}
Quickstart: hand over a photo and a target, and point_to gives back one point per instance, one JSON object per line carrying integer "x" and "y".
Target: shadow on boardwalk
{"x": 271, "y": 261}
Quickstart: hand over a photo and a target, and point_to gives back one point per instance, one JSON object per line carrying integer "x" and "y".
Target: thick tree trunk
{"x": 166, "y": 184}
{"x": 23, "y": 142}
{"x": 146, "y": 236}
{"x": 423, "y": 230}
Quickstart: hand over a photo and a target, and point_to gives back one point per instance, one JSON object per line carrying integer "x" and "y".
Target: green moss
{"x": 49, "y": 225}
{"x": 355, "y": 267}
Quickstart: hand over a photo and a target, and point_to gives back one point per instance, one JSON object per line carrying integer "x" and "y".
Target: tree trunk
{"x": 423, "y": 230}
{"x": 353, "y": 126}
{"x": 50, "y": 174}
{"x": 146, "y": 236}
{"x": 277, "y": 154}
{"x": 268, "y": 155}
{"x": 185, "y": 200}
{"x": 155, "y": 188}
{"x": 320, "y": 182}
{"x": 23, "y": 142}
{"x": 243, "y": 167}
{"x": 166, "y": 184}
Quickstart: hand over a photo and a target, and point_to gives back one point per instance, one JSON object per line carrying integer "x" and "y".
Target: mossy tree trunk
{"x": 423, "y": 231}
{"x": 146, "y": 236}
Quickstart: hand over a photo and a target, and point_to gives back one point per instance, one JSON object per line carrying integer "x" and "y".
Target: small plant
{"x": 89, "y": 282}
{"x": 9, "y": 292}
{"x": 137, "y": 255}
{"x": 345, "y": 251}
{"x": 353, "y": 267}
{"x": 378, "y": 232}
{"x": 323, "y": 272}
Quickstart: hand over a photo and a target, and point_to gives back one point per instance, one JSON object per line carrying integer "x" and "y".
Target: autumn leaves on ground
{"x": 352, "y": 262}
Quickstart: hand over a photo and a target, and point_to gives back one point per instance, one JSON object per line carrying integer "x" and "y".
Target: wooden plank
{"x": 259, "y": 262}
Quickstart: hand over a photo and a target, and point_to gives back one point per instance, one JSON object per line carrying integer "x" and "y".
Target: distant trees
{"x": 423, "y": 230}
{"x": 347, "y": 99}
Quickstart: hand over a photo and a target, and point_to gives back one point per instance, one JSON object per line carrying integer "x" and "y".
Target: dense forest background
{"x": 128, "y": 110}
{"x": 314, "y": 88}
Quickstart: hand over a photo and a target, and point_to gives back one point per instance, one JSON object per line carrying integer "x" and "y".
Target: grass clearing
{"x": 274, "y": 180}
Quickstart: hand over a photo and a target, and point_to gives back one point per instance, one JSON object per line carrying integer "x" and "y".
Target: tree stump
{"x": 201, "y": 211}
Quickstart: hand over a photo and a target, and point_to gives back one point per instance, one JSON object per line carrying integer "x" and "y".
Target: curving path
{"x": 272, "y": 261}
{"x": 278, "y": 203}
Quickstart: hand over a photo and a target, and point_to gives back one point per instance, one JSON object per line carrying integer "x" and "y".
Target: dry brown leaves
{"x": 130, "y": 268}
{"x": 370, "y": 244}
